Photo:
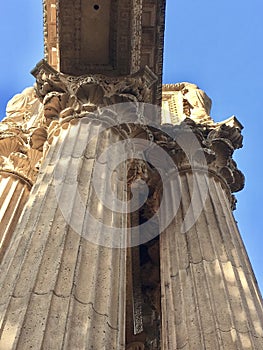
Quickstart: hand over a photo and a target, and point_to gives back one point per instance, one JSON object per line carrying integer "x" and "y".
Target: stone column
{"x": 21, "y": 148}
{"x": 63, "y": 279}
{"x": 13, "y": 197}
{"x": 210, "y": 298}
{"x": 60, "y": 289}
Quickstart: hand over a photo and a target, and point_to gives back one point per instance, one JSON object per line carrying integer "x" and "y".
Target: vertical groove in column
{"x": 208, "y": 298}
{"x": 14, "y": 260}
{"x": 54, "y": 291}
{"x": 99, "y": 304}
{"x": 250, "y": 294}
{"x": 14, "y": 194}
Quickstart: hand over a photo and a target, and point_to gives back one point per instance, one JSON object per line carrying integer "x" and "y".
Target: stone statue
{"x": 22, "y": 107}
{"x": 198, "y": 102}
{"x": 187, "y": 100}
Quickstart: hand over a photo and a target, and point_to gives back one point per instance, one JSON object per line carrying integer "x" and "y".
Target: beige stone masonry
{"x": 65, "y": 292}
{"x": 210, "y": 297}
{"x": 22, "y": 136}
{"x": 63, "y": 285}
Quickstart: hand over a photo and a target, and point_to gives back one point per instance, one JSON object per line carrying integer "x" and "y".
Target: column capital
{"x": 187, "y": 108}
{"x": 22, "y": 136}
{"x": 21, "y": 151}
{"x": 196, "y": 146}
{"x": 64, "y": 95}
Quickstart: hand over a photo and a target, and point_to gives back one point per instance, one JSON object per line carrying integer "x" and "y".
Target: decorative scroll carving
{"x": 212, "y": 150}
{"x": 218, "y": 151}
{"x": 21, "y": 151}
{"x": 64, "y": 94}
{"x": 186, "y": 103}
{"x": 22, "y": 136}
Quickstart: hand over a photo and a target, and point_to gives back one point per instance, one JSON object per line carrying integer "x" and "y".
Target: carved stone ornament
{"x": 192, "y": 147}
{"x": 22, "y": 136}
{"x": 186, "y": 100}
{"x": 24, "y": 109}
{"x": 217, "y": 143}
{"x": 64, "y": 95}
{"x": 21, "y": 151}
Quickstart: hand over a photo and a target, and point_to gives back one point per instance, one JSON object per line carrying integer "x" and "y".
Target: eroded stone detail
{"x": 186, "y": 103}
{"x": 186, "y": 100}
{"x": 22, "y": 136}
{"x": 65, "y": 95}
{"x": 211, "y": 152}
{"x": 24, "y": 109}
{"x": 21, "y": 151}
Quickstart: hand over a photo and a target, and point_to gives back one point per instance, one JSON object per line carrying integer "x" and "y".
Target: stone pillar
{"x": 66, "y": 292}
{"x": 63, "y": 281}
{"x": 21, "y": 148}
{"x": 13, "y": 197}
{"x": 210, "y": 298}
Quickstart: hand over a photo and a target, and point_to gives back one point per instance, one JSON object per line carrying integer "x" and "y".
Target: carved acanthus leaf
{"x": 78, "y": 94}
{"x": 21, "y": 151}
{"x": 197, "y": 146}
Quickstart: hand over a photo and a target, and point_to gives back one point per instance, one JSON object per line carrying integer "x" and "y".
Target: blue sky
{"x": 216, "y": 44}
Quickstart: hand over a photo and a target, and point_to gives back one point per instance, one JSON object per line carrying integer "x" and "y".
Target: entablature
{"x": 114, "y": 37}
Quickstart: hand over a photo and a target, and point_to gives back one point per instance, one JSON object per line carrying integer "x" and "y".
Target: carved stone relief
{"x": 21, "y": 151}
{"x": 216, "y": 145}
{"x": 186, "y": 100}
{"x": 22, "y": 136}
{"x": 24, "y": 109}
{"x": 63, "y": 95}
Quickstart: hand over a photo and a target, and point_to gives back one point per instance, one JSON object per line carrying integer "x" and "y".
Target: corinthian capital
{"x": 63, "y": 94}
{"x": 21, "y": 150}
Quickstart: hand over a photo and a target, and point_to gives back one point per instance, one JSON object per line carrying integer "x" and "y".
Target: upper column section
{"x": 113, "y": 37}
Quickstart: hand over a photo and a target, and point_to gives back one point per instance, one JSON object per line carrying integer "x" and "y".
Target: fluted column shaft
{"x": 59, "y": 289}
{"x": 210, "y": 298}
{"x": 14, "y": 193}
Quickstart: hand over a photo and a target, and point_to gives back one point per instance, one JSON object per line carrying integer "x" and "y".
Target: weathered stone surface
{"x": 210, "y": 299}
{"x": 74, "y": 284}
{"x": 207, "y": 284}
{"x": 22, "y": 136}
{"x": 66, "y": 281}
